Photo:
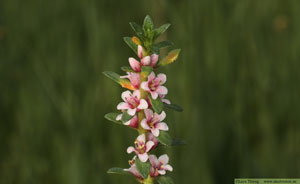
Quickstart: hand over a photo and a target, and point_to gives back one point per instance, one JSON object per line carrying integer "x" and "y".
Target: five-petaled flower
{"x": 160, "y": 165}
{"x": 141, "y": 148}
{"x": 132, "y": 102}
{"x": 153, "y": 122}
{"x": 153, "y": 85}
{"x": 145, "y": 61}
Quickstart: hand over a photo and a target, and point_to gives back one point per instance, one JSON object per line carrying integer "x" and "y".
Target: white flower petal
{"x": 125, "y": 95}
{"x": 149, "y": 145}
{"x": 122, "y": 106}
{"x": 144, "y": 86}
{"x": 130, "y": 149}
{"x": 162, "y": 126}
{"x": 164, "y": 159}
{"x": 131, "y": 112}
{"x": 143, "y": 157}
{"x": 143, "y": 104}
{"x": 145, "y": 125}
{"x": 141, "y": 138}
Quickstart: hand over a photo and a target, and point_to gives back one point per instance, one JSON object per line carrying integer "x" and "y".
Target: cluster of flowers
{"x": 150, "y": 122}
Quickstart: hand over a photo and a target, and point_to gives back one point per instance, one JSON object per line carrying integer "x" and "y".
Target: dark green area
{"x": 237, "y": 79}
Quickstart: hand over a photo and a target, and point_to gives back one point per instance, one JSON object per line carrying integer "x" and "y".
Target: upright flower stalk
{"x": 143, "y": 103}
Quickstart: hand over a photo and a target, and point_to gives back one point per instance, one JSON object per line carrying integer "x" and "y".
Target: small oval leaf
{"x": 112, "y": 117}
{"x": 159, "y": 31}
{"x": 170, "y": 58}
{"x": 143, "y": 168}
{"x": 164, "y": 138}
{"x": 131, "y": 44}
{"x": 157, "y": 104}
{"x": 126, "y": 117}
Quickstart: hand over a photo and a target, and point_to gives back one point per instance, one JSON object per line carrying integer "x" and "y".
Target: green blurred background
{"x": 237, "y": 79}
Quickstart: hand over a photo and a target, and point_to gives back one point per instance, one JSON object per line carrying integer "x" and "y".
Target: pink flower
{"x": 134, "y": 79}
{"x": 132, "y": 102}
{"x": 133, "y": 170}
{"x": 134, "y": 122}
{"x": 153, "y": 85}
{"x": 153, "y": 122}
{"x": 141, "y": 148}
{"x": 145, "y": 61}
{"x": 160, "y": 165}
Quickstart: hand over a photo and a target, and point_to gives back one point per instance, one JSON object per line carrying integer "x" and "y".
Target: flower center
{"x": 140, "y": 147}
{"x": 133, "y": 102}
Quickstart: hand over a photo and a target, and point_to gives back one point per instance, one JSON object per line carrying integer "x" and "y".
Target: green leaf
{"x": 173, "y": 107}
{"x": 126, "y": 117}
{"x": 159, "y": 31}
{"x": 164, "y": 138}
{"x": 117, "y": 170}
{"x": 163, "y": 44}
{"x": 112, "y": 75}
{"x": 170, "y": 58}
{"x": 148, "y": 24}
{"x": 137, "y": 29}
{"x": 165, "y": 180}
{"x": 112, "y": 117}
{"x": 126, "y": 69}
{"x": 143, "y": 168}
{"x": 157, "y": 104}
{"x": 131, "y": 44}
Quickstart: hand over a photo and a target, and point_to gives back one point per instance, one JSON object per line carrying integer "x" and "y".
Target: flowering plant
{"x": 143, "y": 104}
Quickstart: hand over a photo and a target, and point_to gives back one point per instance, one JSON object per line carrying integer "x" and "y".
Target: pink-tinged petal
{"x": 162, "y": 78}
{"x": 146, "y": 61}
{"x": 130, "y": 149}
{"x": 135, "y": 65}
{"x": 137, "y": 94}
{"x": 154, "y": 59}
{"x": 154, "y": 94}
{"x": 143, "y": 104}
{"x": 143, "y": 157}
{"x": 162, "y": 126}
{"x": 164, "y": 159}
{"x": 135, "y": 79}
{"x": 153, "y": 160}
{"x": 144, "y": 86}
{"x": 125, "y": 95}
{"x": 141, "y": 138}
{"x": 131, "y": 112}
{"x": 119, "y": 117}
{"x": 155, "y": 132}
{"x": 149, "y": 145}
{"x": 151, "y": 76}
{"x": 166, "y": 101}
{"x": 122, "y": 106}
{"x": 148, "y": 113}
{"x": 162, "y": 90}
{"x": 162, "y": 116}
{"x": 168, "y": 167}
{"x": 161, "y": 172}
{"x": 140, "y": 51}
{"x": 144, "y": 124}
{"x": 133, "y": 170}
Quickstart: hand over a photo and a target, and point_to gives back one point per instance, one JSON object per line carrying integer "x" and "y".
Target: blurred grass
{"x": 237, "y": 80}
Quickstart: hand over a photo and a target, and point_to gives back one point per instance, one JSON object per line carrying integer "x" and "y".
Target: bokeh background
{"x": 237, "y": 79}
